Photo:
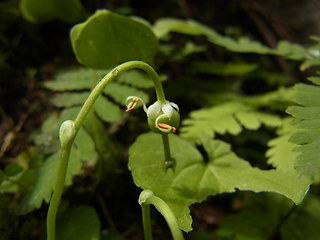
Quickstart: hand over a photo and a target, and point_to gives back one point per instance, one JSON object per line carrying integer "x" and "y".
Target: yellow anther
{"x": 132, "y": 104}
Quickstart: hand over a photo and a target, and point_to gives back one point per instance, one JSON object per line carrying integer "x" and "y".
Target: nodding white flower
{"x": 162, "y": 117}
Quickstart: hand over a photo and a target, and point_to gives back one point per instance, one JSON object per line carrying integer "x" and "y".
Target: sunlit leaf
{"x": 107, "y": 39}
{"x": 280, "y": 153}
{"x": 193, "y": 180}
{"x": 230, "y": 117}
{"x": 165, "y": 25}
{"x": 307, "y": 135}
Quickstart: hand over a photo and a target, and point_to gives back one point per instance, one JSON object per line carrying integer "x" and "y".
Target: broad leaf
{"x": 229, "y": 117}
{"x": 308, "y": 128}
{"x": 193, "y": 180}
{"x": 81, "y": 223}
{"x": 107, "y": 39}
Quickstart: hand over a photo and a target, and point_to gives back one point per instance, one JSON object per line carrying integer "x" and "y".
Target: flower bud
{"x": 163, "y": 117}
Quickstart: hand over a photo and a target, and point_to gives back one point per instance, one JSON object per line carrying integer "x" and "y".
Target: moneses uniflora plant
{"x": 163, "y": 118}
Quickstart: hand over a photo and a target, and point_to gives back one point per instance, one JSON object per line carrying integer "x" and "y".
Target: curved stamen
{"x": 132, "y": 101}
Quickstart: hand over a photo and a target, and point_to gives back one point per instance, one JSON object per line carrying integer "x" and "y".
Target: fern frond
{"x": 243, "y": 45}
{"x": 307, "y": 124}
{"x": 70, "y": 82}
{"x": 280, "y": 154}
{"x": 230, "y": 117}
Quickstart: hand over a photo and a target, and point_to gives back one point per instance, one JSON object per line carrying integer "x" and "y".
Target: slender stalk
{"x": 146, "y": 221}
{"x": 113, "y": 74}
{"x": 146, "y": 198}
{"x": 169, "y": 161}
{"x": 56, "y": 197}
{"x": 67, "y": 141}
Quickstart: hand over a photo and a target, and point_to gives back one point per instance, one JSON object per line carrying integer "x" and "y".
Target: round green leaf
{"x": 193, "y": 179}
{"x": 106, "y": 39}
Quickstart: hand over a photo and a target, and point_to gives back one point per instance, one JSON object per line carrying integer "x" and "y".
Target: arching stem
{"x": 145, "y": 199}
{"x": 71, "y": 129}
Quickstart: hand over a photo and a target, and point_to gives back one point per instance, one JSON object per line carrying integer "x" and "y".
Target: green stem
{"x": 56, "y": 197}
{"x": 66, "y": 142}
{"x": 146, "y": 198}
{"x": 113, "y": 74}
{"x": 169, "y": 161}
{"x": 146, "y": 221}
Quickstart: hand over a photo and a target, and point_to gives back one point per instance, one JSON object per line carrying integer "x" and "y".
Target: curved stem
{"x": 113, "y": 74}
{"x": 66, "y": 142}
{"x": 146, "y": 198}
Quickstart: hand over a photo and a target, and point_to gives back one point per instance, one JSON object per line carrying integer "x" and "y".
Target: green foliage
{"x": 80, "y": 222}
{"x": 106, "y": 39}
{"x": 38, "y": 11}
{"x": 206, "y": 76}
{"x": 229, "y": 117}
{"x": 280, "y": 152}
{"x": 72, "y": 89}
{"x": 70, "y": 82}
{"x": 243, "y": 45}
{"x": 307, "y": 135}
{"x": 9, "y": 220}
{"x": 259, "y": 219}
{"x": 42, "y": 177}
{"x": 223, "y": 69}
{"x": 268, "y": 216}
{"x": 193, "y": 180}
{"x": 301, "y": 223}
